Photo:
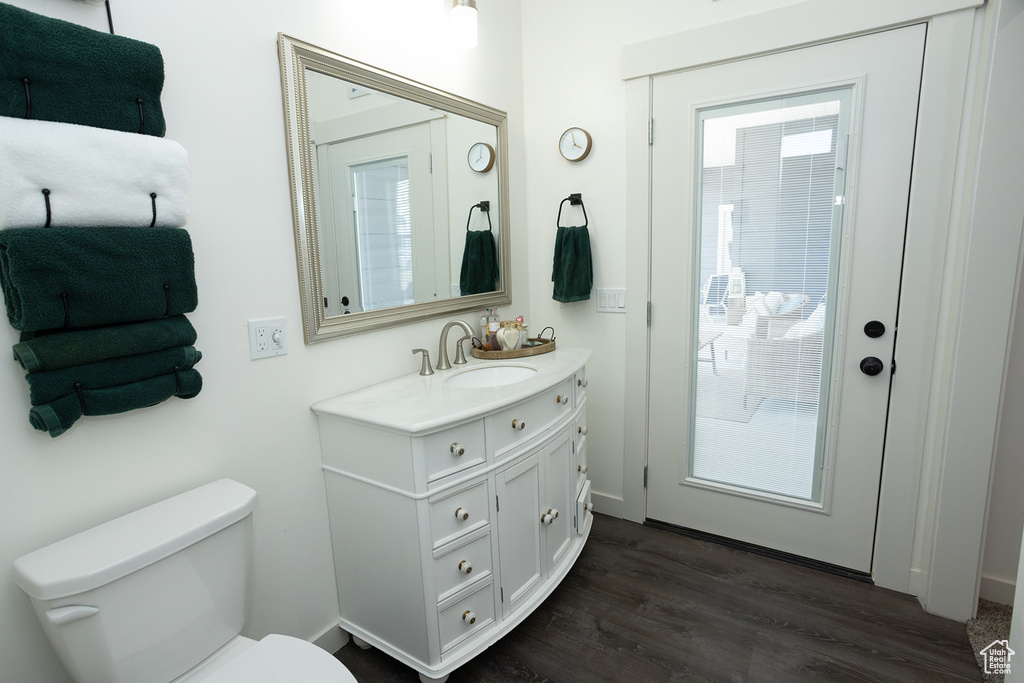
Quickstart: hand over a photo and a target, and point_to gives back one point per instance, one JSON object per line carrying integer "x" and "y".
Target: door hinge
{"x": 893, "y": 367}
{"x": 502, "y": 589}
{"x": 325, "y": 302}
{"x": 650, "y": 131}
{"x": 645, "y": 476}
{"x": 648, "y": 314}
{"x": 430, "y": 162}
{"x": 497, "y": 503}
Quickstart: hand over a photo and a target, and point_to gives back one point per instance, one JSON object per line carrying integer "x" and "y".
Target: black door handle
{"x": 872, "y": 366}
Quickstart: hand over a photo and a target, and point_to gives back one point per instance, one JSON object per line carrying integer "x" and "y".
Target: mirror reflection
{"x": 399, "y": 192}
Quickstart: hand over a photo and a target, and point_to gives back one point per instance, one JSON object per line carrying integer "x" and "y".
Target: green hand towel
{"x": 479, "y": 264}
{"x": 573, "y": 270}
{"x": 56, "y": 349}
{"x": 87, "y": 277}
{"x": 57, "y": 416}
{"x": 78, "y": 75}
{"x": 51, "y": 385}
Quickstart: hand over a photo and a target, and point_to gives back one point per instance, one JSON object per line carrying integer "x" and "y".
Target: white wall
{"x": 222, "y": 100}
{"x": 572, "y": 66}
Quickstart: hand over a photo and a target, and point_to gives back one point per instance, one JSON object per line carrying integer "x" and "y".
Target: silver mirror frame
{"x": 298, "y": 56}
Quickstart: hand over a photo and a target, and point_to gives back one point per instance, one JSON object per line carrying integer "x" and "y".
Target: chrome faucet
{"x": 442, "y": 351}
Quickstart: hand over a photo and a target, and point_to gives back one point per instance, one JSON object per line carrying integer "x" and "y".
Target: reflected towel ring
{"x": 575, "y": 199}
{"x": 485, "y": 207}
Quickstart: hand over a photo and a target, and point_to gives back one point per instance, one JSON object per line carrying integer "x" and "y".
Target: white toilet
{"x": 160, "y": 596}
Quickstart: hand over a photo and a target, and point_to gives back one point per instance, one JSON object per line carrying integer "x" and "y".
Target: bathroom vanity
{"x": 458, "y": 502}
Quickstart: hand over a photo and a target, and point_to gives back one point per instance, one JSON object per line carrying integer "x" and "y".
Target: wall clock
{"x": 575, "y": 144}
{"x": 481, "y": 157}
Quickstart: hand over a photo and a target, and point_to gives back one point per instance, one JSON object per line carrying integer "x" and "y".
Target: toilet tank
{"x": 147, "y": 596}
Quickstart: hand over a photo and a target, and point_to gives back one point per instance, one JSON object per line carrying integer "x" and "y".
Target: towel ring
{"x": 485, "y": 207}
{"x": 575, "y": 199}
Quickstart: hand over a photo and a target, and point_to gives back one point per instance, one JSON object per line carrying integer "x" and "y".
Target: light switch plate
{"x": 267, "y": 338}
{"x": 611, "y": 301}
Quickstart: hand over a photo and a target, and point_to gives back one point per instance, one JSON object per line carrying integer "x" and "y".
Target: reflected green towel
{"x": 56, "y": 349}
{"x": 479, "y": 264}
{"x": 86, "y": 277}
{"x": 78, "y": 75}
{"x": 51, "y": 385}
{"x": 573, "y": 270}
{"x": 57, "y": 416}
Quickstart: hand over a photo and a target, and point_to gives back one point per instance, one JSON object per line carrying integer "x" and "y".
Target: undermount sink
{"x": 491, "y": 376}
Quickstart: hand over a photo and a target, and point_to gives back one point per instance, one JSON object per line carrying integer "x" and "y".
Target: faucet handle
{"x": 460, "y": 355}
{"x": 425, "y": 368}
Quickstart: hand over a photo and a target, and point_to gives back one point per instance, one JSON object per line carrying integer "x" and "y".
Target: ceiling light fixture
{"x": 464, "y": 23}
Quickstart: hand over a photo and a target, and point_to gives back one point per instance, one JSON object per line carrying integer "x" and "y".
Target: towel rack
{"x": 485, "y": 207}
{"x": 575, "y": 199}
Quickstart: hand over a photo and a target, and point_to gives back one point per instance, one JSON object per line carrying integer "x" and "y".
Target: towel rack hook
{"x": 485, "y": 207}
{"x": 574, "y": 199}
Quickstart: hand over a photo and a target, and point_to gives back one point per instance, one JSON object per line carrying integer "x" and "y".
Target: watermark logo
{"x": 997, "y": 657}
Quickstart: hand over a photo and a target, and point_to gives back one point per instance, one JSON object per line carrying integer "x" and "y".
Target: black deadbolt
{"x": 872, "y": 366}
{"x": 874, "y": 329}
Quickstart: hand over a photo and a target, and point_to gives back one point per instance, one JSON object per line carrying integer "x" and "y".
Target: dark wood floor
{"x": 644, "y": 604}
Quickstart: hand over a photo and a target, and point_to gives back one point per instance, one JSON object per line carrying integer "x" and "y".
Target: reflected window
{"x": 383, "y": 219}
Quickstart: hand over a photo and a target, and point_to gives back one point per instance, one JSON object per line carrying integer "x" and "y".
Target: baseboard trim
{"x": 607, "y": 504}
{"x": 332, "y": 639}
{"x": 761, "y": 550}
{"x": 998, "y": 590}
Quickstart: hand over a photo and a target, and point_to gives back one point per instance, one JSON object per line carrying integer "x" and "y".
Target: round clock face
{"x": 481, "y": 157}
{"x": 575, "y": 144}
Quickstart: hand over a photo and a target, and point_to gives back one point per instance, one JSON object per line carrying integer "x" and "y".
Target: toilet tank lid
{"x": 105, "y": 553}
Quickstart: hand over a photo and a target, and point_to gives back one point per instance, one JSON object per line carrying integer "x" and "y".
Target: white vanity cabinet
{"x": 454, "y": 511}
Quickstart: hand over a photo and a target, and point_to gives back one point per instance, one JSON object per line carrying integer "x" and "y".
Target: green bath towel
{"x": 87, "y": 277}
{"x": 78, "y": 75}
{"x": 479, "y": 264}
{"x": 56, "y": 349}
{"x": 48, "y": 386}
{"x": 573, "y": 269}
{"x": 57, "y": 416}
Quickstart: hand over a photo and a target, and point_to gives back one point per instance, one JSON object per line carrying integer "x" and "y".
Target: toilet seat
{"x": 278, "y": 659}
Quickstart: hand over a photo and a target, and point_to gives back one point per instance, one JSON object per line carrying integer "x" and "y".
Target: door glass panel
{"x": 383, "y": 220}
{"x": 770, "y": 199}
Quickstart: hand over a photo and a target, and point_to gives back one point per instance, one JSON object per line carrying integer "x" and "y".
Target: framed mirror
{"x": 399, "y": 213}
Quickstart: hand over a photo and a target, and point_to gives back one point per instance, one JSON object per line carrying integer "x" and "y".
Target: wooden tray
{"x": 545, "y": 346}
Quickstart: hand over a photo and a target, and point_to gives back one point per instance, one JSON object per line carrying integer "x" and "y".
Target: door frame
{"x": 916, "y": 418}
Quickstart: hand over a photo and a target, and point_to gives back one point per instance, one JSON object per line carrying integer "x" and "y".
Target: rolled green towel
{"x": 87, "y": 277}
{"x": 479, "y": 264}
{"x": 56, "y": 349}
{"x": 573, "y": 269}
{"x": 78, "y": 75}
{"x": 51, "y": 385}
{"x": 57, "y": 416}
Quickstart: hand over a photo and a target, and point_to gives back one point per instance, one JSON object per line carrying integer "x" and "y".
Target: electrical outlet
{"x": 267, "y": 338}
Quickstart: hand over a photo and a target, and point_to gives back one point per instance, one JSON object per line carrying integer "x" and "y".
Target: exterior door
{"x": 780, "y": 188}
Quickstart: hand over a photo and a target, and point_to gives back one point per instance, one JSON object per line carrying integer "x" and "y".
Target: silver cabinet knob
{"x": 581, "y": 383}
{"x": 465, "y": 567}
{"x": 461, "y": 514}
{"x": 549, "y": 517}
{"x": 457, "y": 449}
{"x": 582, "y": 430}
{"x": 519, "y": 424}
{"x": 469, "y": 617}
{"x": 562, "y": 400}
{"x": 582, "y": 469}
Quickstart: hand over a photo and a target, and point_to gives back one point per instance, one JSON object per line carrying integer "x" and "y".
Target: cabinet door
{"x": 559, "y": 466}
{"x": 519, "y": 531}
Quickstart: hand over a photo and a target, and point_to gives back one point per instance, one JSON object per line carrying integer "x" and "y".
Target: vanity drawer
{"x": 465, "y": 616}
{"x": 524, "y": 420}
{"x": 456, "y": 513}
{"x": 453, "y": 450}
{"x": 459, "y": 567}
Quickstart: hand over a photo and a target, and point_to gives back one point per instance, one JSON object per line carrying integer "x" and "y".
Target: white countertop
{"x": 415, "y": 404}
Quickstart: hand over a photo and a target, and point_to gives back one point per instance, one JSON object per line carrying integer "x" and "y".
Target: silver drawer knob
{"x": 469, "y": 617}
{"x": 582, "y": 430}
{"x": 461, "y": 514}
{"x": 519, "y": 424}
{"x": 549, "y": 517}
{"x": 581, "y": 383}
{"x": 457, "y": 449}
{"x": 562, "y": 400}
{"x": 588, "y": 506}
{"x": 465, "y": 567}
{"x": 582, "y": 469}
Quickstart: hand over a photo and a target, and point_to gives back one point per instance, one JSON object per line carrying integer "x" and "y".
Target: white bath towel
{"x": 79, "y": 176}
